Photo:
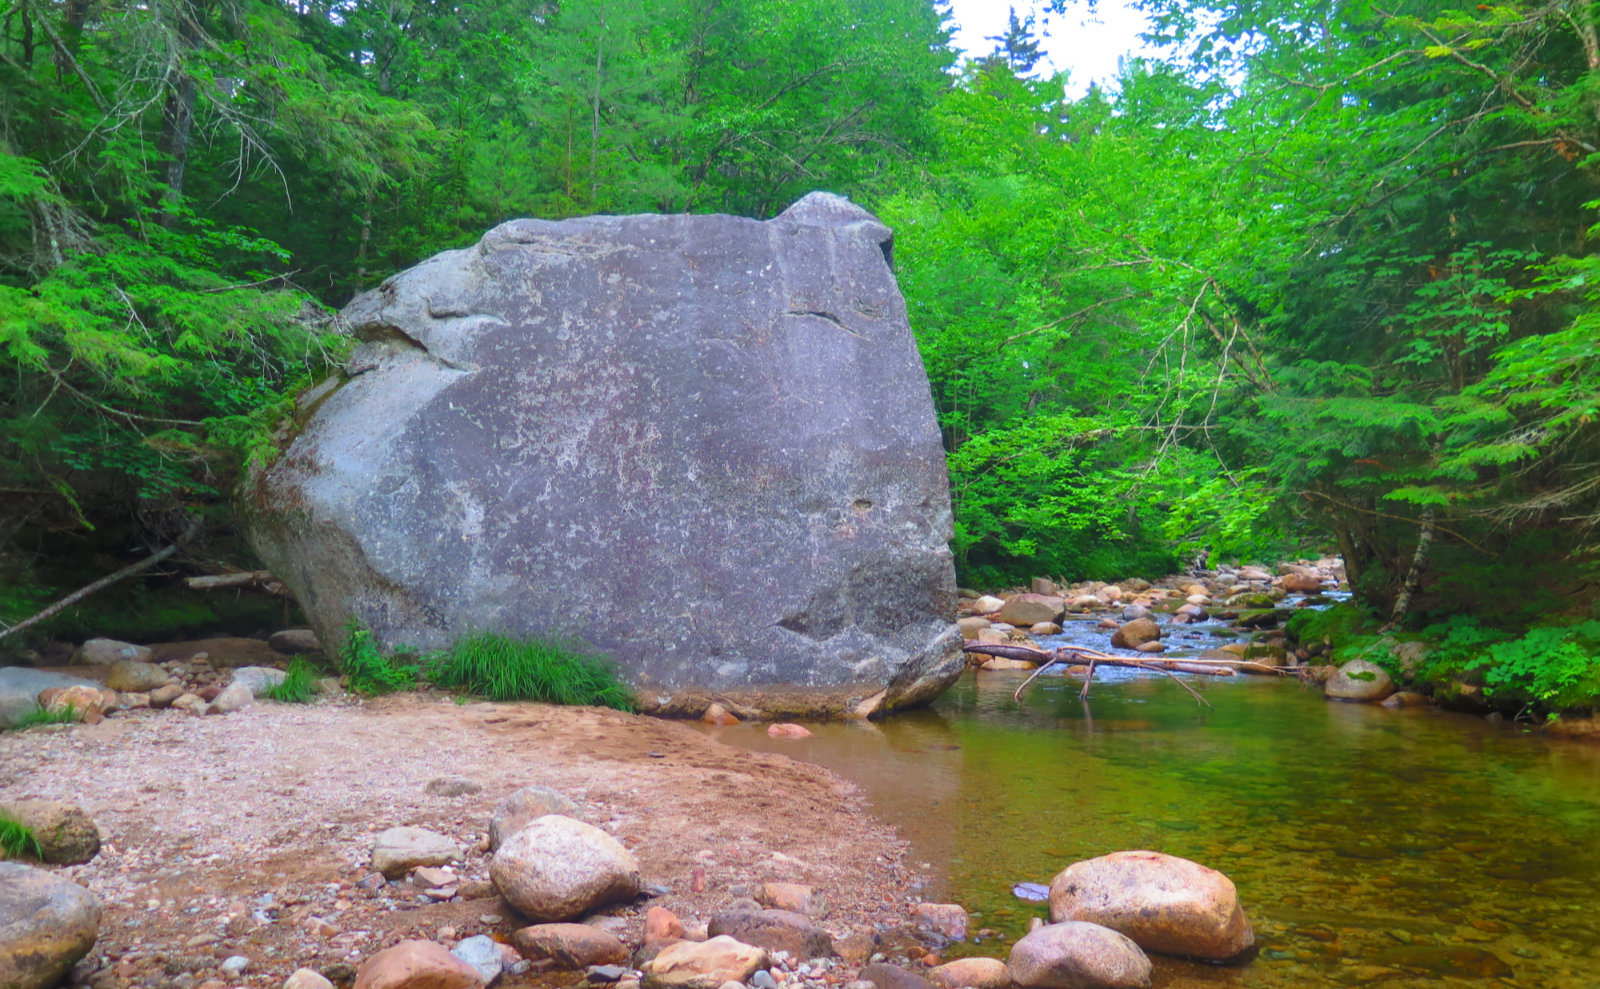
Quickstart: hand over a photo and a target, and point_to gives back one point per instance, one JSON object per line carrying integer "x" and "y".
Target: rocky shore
{"x": 416, "y": 842}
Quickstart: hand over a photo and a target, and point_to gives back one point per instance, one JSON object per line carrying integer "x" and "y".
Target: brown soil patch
{"x": 245, "y": 834}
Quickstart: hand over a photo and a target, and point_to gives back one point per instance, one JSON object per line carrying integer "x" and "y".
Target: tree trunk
{"x": 1354, "y": 563}
{"x": 594, "y": 125}
{"x": 177, "y": 120}
{"x": 366, "y": 238}
{"x": 1419, "y": 563}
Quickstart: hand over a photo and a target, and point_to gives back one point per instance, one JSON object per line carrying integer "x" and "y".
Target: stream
{"x": 1408, "y": 847}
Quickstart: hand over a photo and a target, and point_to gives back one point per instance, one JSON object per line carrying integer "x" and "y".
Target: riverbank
{"x": 251, "y": 834}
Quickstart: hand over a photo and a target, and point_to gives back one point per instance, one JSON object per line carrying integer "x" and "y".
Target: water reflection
{"x": 1369, "y": 845}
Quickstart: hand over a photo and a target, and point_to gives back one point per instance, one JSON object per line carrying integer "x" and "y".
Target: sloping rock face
{"x": 704, "y": 444}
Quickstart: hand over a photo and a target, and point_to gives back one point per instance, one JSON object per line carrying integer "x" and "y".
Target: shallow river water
{"x": 1407, "y": 848}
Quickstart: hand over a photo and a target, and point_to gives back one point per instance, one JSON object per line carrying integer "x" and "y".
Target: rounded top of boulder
{"x": 826, "y": 209}
{"x": 1164, "y": 903}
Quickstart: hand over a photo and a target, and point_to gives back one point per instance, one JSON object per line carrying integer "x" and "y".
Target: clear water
{"x": 1402, "y": 848}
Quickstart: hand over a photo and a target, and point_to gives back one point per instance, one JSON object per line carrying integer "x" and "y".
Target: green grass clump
{"x": 501, "y": 668}
{"x": 367, "y": 670}
{"x": 40, "y": 716}
{"x": 17, "y": 839}
{"x": 299, "y": 684}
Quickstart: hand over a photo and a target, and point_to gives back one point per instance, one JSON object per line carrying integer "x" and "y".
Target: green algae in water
{"x": 1340, "y": 824}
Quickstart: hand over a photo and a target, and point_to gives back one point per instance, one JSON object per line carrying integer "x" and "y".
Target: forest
{"x": 1318, "y": 280}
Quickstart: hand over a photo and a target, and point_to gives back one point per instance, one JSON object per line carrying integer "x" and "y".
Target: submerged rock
{"x": 717, "y": 427}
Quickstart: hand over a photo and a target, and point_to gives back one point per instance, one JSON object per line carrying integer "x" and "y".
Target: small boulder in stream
{"x": 1166, "y": 904}
{"x": 1359, "y": 680}
{"x": 1078, "y": 955}
{"x": 1136, "y": 633}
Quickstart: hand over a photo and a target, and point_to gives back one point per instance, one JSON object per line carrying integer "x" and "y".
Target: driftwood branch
{"x": 254, "y": 579}
{"x": 194, "y": 528}
{"x": 1079, "y": 654}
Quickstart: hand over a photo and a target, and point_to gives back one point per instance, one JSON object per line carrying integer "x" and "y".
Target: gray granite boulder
{"x": 711, "y": 438}
{"x": 47, "y": 924}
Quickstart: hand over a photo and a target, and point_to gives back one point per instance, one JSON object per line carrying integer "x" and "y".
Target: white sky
{"x": 1086, "y": 46}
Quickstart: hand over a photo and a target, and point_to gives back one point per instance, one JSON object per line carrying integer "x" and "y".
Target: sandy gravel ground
{"x": 246, "y": 834}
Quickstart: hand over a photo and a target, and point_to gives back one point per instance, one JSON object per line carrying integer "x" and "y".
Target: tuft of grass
{"x": 366, "y": 668}
{"x": 40, "y": 716}
{"x": 501, "y": 668}
{"x": 17, "y": 840}
{"x": 299, "y": 683}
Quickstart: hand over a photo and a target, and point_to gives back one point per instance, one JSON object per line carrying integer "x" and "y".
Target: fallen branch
{"x": 261, "y": 580}
{"x": 193, "y": 530}
{"x": 1067, "y": 654}
{"x": 220, "y": 581}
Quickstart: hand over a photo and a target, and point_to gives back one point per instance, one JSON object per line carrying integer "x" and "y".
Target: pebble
{"x": 763, "y": 980}
{"x": 483, "y": 954}
{"x": 606, "y": 973}
{"x": 235, "y": 965}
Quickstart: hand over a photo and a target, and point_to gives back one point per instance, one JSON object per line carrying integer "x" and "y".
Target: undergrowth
{"x": 40, "y": 716}
{"x": 367, "y": 670}
{"x": 17, "y": 839}
{"x": 299, "y": 683}
{"x": 502, "y": 668}
{"x": 1550, "y": 667}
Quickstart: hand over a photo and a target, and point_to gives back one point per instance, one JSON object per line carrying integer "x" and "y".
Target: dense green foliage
{"x": 366, "y": 670}
{"x": 1322, "y": 277}
{"x": 502, "y": 668}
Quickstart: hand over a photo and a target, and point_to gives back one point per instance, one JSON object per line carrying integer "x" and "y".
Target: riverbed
{"x": 1412, "y": 847}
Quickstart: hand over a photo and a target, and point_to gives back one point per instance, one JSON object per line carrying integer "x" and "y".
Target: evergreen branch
{"x": 108, "y": 410}
{"x": 1398, "y": 518}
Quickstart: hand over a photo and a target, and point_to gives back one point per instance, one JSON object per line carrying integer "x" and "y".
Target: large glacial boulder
{"x": 704, "y": 444}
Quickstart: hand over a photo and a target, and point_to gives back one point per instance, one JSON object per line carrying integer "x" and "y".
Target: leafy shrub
{"x": 502, "y": 668}
{"x": 368, "y": 671}
{"x": 299, "y": 683}
{"x": 17, "y": 839}
{"x": 1554, "y": 667}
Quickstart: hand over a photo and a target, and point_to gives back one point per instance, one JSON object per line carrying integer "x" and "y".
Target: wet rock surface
{"x": 1164, "y": 903}
{"x": 1078, "y": 955}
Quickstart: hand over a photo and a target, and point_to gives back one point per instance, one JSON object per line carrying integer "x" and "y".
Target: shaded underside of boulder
{"x": 703, "y": 444}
